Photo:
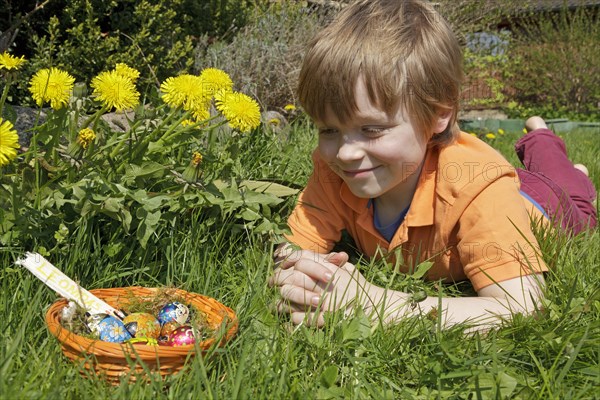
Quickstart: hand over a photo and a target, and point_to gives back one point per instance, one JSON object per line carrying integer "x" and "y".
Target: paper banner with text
{"x": 65, "y": 286}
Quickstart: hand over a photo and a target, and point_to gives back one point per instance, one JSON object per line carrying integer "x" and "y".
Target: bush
{"x": 554, "y": 67}
{"x": 468, "y": 16}
{"x": 266, "y": 55}
{"x": 484, "y": 47}
{"x": 484, "y": 60}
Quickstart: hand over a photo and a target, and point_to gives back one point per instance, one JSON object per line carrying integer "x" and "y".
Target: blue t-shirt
{"x": 388, "y": 231}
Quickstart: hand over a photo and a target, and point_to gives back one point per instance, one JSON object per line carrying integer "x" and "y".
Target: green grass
{"x": 552, "y": 356}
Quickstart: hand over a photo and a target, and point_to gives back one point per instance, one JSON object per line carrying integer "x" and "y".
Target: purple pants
{"x": 549, "y": 177}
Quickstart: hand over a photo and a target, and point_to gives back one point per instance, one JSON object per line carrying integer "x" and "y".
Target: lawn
{"x": 554, "y": 355}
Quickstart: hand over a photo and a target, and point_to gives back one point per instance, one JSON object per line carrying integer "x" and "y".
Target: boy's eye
{"x": 327, "y": 131}
{"x": 373, "y": 130}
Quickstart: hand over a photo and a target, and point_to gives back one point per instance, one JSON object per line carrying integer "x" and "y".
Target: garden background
{"x": 159, "y": 199}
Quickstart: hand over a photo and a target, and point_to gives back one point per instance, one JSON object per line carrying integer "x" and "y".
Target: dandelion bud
{"x": 196, "y": 158}
{"x": 193, "y": 170}
{"x": 85, "y": 137}
{"x": 80, "y": 90}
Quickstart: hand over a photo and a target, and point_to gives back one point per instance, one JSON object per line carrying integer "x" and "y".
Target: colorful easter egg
{"x": 142, "y": 324}
{"x": 167, "y": 328}
{"x": 182, "y": 336}
{"x": 93, "y": 321}
{"x": 174, "y": 311}
{"x": 110, "y": 329}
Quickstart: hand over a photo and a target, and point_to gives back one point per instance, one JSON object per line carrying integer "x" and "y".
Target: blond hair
{"x": 403, "y": 49}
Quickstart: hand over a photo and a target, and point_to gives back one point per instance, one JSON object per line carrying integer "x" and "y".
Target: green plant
{"x": 156, "y": 172}
{"x": 554, "y": 66}
{"x": 467, "y": 17}
{"x": 484, "y": 86}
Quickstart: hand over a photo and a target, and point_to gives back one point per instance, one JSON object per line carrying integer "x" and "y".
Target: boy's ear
{"x": 443, "y": 119}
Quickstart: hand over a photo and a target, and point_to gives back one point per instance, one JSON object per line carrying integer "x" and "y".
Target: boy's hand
{"x": 285, "y": 256}
{"x": 310, "y": 283}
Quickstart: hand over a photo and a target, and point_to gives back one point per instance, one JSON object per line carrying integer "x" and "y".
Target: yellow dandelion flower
{"x": 241, "y": 111}
{"x": 85, "y": 137}
{"x": 289, "y": 107}
{"x": 187, "y": 122}
{"x": 501, "y": 131}
{"x": 201, "y": 113}
{"x": 10, "y": 62}
{"x": 490, "y": 136}
{"x": 115, "y": 91}
{"x": 215, "y": 79}
{"x": 473, "y": 134}
{"x": 185, "y": 91}
{"x": 9, "y": 142}
{"x": 196, "y": 158}
{"x": 127, "y": 71}
{"x": 53, "y": 85}
{"x": 274, "y": 121}
{"x": 524, "y": 130}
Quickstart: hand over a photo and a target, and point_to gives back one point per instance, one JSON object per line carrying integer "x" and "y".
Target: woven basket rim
{"x": 220, "y": 317}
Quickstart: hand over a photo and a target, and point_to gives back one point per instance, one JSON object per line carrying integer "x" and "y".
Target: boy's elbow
{"x": 521, "y": 295}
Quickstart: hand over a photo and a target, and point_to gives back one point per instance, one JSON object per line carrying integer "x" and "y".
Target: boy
{"x": 382, "y": 83}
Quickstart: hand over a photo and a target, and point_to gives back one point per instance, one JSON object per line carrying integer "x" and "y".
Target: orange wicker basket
{"x": 114, "y": 361}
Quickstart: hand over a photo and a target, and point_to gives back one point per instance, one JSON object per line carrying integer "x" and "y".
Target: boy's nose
{"x": 349, "y": 149}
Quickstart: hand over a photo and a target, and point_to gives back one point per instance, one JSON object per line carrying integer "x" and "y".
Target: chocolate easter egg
{"x": 167, "y": 328}
{"x": 93, "y": 320}
{"x": 182, "y": 336}
{"x": 142, "y": 324}
{"x": 112, "y": 330}
{"x": 174, "y": 311}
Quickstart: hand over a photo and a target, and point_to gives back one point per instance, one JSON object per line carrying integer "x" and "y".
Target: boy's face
{"x": 376, "y": 154}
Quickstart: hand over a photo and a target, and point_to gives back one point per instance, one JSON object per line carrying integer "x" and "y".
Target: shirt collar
{"x": 422, "y": 206}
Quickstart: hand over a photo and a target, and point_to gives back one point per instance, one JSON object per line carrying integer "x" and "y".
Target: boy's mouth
{"x": 357, "y": 173}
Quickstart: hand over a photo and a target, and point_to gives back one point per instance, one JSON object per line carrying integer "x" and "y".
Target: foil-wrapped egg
{"x": 169, "y": 327}
{"x": 93, "y": 320}
{"x": 182, "y": 336}
{"x": 108, "y": 328}
{"x": 174, "y": 311}
{"x": 142, "y": 324}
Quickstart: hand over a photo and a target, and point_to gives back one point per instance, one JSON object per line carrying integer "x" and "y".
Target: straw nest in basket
{"x": 113, "y": 361}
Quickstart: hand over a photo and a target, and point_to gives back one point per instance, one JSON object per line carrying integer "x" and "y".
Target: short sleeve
{"x": 315, "y": 223}
{"x": 496, "y": 242}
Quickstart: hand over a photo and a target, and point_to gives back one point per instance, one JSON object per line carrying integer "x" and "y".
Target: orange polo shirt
{"x": 467, "y": 217}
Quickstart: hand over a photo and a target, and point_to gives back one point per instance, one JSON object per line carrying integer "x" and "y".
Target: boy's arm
{"x": 311, "y": 284}
{"x": 494, "y": 303}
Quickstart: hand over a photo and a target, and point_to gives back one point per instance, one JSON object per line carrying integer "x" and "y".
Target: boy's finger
{"x": 338, "y": 259}
{"x": 296, "y": 278}
{"x": 284, "y": 306}
{"x": 319, "y": 270}
{"x": 290, "y": 257}
{"x": 278, "y": 276}
{"x": 299, "y": 295}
